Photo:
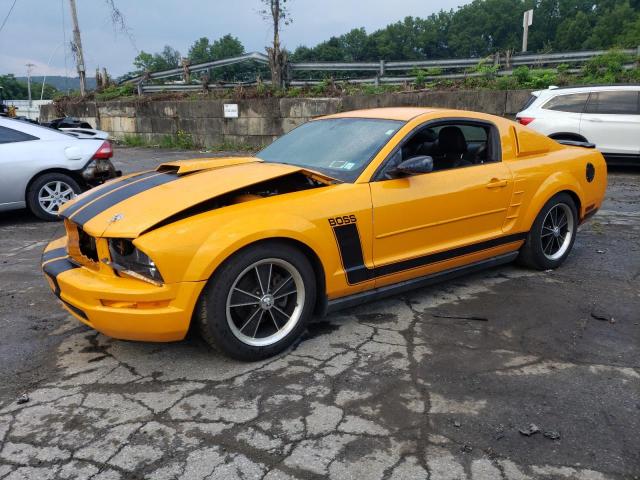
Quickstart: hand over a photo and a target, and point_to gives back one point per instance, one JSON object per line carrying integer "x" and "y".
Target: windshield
{"x": 338, "y": 147}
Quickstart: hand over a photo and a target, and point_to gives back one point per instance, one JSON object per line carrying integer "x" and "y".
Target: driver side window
{"x": 453, "y": 144}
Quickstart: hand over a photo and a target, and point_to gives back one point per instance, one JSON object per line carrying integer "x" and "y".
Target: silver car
{"x": 42, "y": 168}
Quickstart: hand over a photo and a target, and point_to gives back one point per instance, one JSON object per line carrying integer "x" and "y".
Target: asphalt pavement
{"x": 507, "y": 374}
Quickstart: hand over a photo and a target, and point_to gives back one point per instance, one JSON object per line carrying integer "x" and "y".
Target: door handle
{"x": 497, "y": 183}
{"x": 595, "y": 120}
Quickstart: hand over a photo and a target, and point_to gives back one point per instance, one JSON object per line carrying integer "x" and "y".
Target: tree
{"x": 200, "y": 51}
{"x": 277, "y": 13}
{"x": 13, "y": 89}
{"x": 226, "y": 47}
{"x": 143, "y": 62}
{"x": 167, "y": 59}
{"x": 356, "y": 45}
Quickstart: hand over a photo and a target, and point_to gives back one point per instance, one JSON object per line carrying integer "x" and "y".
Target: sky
{"x": 36, "y": 30}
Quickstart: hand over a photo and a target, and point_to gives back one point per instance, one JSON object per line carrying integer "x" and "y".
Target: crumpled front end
{"x": 115, "y": 305}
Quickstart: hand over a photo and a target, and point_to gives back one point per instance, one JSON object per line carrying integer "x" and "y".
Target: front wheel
{"x": 258, "y": 303}
{"x": 552, "y": 235}
{"x": 49, "y": 192}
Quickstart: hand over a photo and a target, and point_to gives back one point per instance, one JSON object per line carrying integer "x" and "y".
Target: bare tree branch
{"x": 119, "y": 23}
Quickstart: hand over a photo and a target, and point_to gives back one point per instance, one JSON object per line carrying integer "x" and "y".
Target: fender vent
{"x": 591, "y": 172}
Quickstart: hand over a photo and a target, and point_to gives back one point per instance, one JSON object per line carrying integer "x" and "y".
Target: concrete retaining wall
{"x": 260, "y": 121}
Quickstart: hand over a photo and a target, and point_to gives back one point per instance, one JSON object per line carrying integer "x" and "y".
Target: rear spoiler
{"x": 575, "y": 143}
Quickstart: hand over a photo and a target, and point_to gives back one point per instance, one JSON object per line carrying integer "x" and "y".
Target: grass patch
{"x": 184, "y": 141}
{"x": 134, "y": 141}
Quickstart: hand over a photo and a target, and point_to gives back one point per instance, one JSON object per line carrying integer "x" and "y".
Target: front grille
{"x": 87, "y": 245}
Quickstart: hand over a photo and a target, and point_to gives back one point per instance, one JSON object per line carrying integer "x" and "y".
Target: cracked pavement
{"x": 432, "y": 384}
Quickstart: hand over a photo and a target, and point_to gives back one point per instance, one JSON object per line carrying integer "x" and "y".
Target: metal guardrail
{"x": 201, "y": 67}
{"x": 448, "y": 67}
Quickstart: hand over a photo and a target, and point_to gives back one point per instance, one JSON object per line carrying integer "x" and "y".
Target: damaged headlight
{"x": 128, "y": 260}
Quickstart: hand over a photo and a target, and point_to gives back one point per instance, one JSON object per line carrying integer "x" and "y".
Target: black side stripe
{"x": 55, "y": 268}
{"x": 118, "y": 196}
{"x": 93, "y": 194}
{"x": 348, "y": 239}
{"x": 356, "y": 271}
{"x": 55, "y": 253}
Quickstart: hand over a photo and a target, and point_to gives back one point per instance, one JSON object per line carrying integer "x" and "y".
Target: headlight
{"x": 128, "y": 260}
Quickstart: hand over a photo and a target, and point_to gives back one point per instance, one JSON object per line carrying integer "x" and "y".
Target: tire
{"x": 251, "y": 316}
{"x": 59, "y": 187}
{"x": 547, "y": 247}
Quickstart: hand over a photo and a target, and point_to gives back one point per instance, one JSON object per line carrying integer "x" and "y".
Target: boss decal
{"x": 343, "y": 220}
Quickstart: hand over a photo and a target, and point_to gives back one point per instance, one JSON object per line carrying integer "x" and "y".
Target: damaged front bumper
{"x": 118, "y": 307}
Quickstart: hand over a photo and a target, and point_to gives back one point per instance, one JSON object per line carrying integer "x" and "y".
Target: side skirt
{"x": 378, "y": 293}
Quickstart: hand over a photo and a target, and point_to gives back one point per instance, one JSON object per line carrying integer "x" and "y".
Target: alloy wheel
{"x": 265, "y": 302}
{"x": 53, "y": 195}
{"x": 557, "y": 231}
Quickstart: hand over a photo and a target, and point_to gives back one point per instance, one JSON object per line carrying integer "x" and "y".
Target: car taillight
{"x": 525, "y": 120}
{"x": 105, "y": 151}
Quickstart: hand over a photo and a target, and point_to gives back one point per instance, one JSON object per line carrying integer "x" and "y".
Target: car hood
{"x": 134, "y": 204}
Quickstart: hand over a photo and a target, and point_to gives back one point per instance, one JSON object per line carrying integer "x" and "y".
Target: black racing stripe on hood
{"x": 123, "y": 193}
{"x": 103, "y": 191}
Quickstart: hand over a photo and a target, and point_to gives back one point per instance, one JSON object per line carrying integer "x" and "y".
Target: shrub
{"x": 607, "y": 68}
{"x": 114, "y": 91}
{"x": 134, "y": 141}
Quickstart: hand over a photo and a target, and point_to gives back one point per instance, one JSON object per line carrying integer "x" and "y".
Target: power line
{"x": 7, "y": 17}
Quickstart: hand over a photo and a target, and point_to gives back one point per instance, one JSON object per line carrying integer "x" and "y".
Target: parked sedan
{"x": 343, "y": 209}
{"x": 42, "y": 168}
{"x": 606, "y": 116}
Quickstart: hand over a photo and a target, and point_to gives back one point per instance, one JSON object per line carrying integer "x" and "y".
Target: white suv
{"x": 607, "y": 116}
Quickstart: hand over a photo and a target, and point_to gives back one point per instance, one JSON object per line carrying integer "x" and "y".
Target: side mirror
{"x": 414, "y": 166}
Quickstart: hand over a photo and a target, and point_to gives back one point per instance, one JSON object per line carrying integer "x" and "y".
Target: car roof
{"x": 393, "y": 113}
{"x": 406, "y": 114}
{"x": 584, "y": 89}
{"x": 33, "y": 129}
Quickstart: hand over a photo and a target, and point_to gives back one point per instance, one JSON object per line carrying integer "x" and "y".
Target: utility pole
{"x": 78, "y": 48}
{"x": 29, "y": 67}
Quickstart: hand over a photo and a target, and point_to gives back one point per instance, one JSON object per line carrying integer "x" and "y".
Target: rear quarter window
{"x": 573, "y": 102}
{"x": 530, "y": 100}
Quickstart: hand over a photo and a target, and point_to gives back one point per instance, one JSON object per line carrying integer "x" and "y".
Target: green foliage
{"x": 165, "y": 60}
{"x": 113, "y": 91}
{"x": 483, "y": 27}
{"x": 320, "y": 89}
{"x": 134, "y": 141}
{"x": 182, "y": 140}
{"x": 485, "y": 69}
{"x": 13, "y": 89}
{"x": 422, "y": 75}
{"x": 203, "y": 50}
{"x": 293, "y": 92}
{"x": 607, "y": 68}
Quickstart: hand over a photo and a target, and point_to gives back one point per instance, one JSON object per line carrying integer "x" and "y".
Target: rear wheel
{"x": 258, "y": 303}
{"x": 49, "y": 192}
{"x": 551, "y": 237}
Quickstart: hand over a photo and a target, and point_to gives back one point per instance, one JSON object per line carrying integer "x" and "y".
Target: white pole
{"x": 29, "y": 67}
{"x": 527, "y": 20}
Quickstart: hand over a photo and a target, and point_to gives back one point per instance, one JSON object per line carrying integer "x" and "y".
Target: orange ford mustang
{"x": 343, "y": 209}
